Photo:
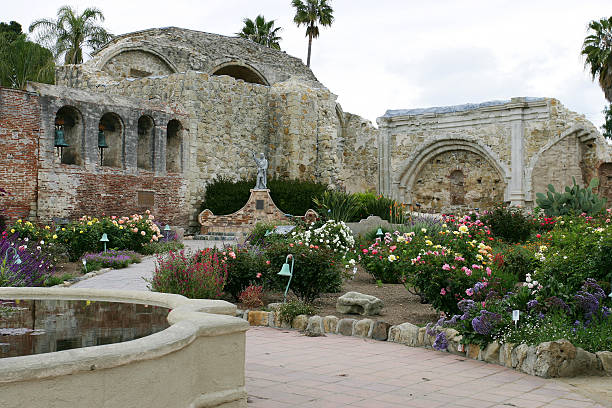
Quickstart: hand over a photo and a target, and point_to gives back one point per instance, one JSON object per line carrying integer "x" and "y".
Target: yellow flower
{"x": 12, "y": 230}
{"x": 428, "y": 242}
{"x": 89, "y": 223}
{"x": 47, "y": 227}
{"x": 54, "y": 236}
{"x": 19, "y": 221}
{"x": 463, "y": 229}
{"x": 479, "y": 257}
{"x": 81, "y": 231}
{"x": 121, "y": 227}
{"x": 63, "y": 229}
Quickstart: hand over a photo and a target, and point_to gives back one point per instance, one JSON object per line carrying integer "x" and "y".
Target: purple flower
{"x": 532, "y": 303}
{"x": 484, "y": 323}
{"x": 441, "y": 343}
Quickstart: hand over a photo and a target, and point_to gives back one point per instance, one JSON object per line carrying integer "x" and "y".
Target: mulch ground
{"x": 400, "y": 305}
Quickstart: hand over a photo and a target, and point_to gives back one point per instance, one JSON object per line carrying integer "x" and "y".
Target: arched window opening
{"x": 146, "y": 128}
{"x": 69, "y": 131}
{"x": 110, "y": 134}
{"x": 241, "y": 72}
{"x": 174, "y": 144}
{"x": 457, "y": 187}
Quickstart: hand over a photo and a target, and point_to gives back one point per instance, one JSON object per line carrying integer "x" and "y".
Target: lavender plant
{"x": 20, "y": 265}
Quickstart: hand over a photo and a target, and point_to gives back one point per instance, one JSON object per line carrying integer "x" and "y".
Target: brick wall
{"x": 19, "y": 131}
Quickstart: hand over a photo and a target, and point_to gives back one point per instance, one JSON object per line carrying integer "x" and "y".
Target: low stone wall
{"x": 548, "y": 360}
{"x": 200, "y": 358}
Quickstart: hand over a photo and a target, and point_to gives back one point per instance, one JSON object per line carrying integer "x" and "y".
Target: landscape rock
{"x": 315, "y": 325}
{"x": 605, "y": 358}
{"x": 473, "y": 352}
{"x": 550, "y": 356}
{"x": 358, "y": 303}
{"x": 380, "y": 330}
{"x": 491, "y": 353}
{"x": 362, "y": 328}
{"x": 584, "y": 363}
{"x": 519, "y": 353}
{"x": 330, "y": 324}
{"x": 258, "y": 318}
{"x": 299, "y": 322}
{"x": 345, "y": 327}
{"x": 405, "y": 333}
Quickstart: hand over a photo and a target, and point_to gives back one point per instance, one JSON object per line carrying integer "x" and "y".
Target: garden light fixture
{"x": 167, "y": 230}
{"x": 285, "y": 271}
{"x": 379, "y": 233}
{"x": 16, "y": 258}
{"x": 105, "y": 240}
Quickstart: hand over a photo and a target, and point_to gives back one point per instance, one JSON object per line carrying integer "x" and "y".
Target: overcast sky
{"x": 399, "y": 54}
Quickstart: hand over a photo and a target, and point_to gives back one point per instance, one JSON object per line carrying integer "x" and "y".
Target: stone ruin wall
{"x": 552, "y": 145}
{"x": 294, "y": 123}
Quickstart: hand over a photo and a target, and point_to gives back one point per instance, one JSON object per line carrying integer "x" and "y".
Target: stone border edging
{"x": 551, "y": 359}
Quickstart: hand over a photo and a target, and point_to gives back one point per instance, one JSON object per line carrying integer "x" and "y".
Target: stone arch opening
{"x": 570, "y": 155}
{"x": 112, "y": 129}
{"x": 137, "y": 63}
{"x": 243, "y": 72}
{"x": 174, "y": 144}
{"x": 457, "y": 187}
{"x": 604, "y": 173}
{"x": 70, "y": 121}
{"x": 144, "y": 152}
{"x": 485, "y": 184}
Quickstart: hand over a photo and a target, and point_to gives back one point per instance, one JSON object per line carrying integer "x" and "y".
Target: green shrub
{"x": 198, "y": 276}
{"x": 315, "y": 270}
{"x": 224, "y": 196}
{"x": 517, "y": 260}
{"x": 124, "y": 233}
{"x": 160, "y": 247}
{"x": 337, "y": 205}
{"x": 262, "y": 236}
{"x": 509, "y": 224}
{"x": 245, "y": 266}
{"x": 290, "y": 310}
{"x": 56, "y": 280}
{"x": 384, "y": 207}
{"x": 574, "y": 200}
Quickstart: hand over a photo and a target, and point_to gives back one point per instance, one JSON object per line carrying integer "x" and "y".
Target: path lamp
{"x": 105, "y": 240}
{"x": 285, "y": 271}
{"x": 16, "y": 258}
{"x": 167, "y": 230}
{"x": 379, "y": 233}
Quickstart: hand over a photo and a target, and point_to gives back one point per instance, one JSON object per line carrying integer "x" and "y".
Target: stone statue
{"x": 262, "y": 169}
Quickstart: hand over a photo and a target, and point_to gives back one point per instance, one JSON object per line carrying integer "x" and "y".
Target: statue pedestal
{"x": 259, "y": 208}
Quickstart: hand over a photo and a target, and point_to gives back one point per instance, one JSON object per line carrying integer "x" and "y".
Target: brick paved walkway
{"x": 287, "y": 369}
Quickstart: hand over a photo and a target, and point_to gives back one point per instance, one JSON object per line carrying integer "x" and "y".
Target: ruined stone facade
{"x": 476, "y": 155}
{"x": 178, "y": 108}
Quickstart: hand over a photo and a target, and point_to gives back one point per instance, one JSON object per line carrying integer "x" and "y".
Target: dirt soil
{"x": 73, "y": 268}
{"x": 400, "y": 305}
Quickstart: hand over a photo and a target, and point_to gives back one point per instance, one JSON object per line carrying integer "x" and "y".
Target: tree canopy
{"x": 22, "y": 60}
{"x": 261, "y": 31}
{"x": 71, "y": 32}
{"x": 310, "y": 13}
{"x": 597, "y": 48}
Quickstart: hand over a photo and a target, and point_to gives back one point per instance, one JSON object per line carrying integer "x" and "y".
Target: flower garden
{"x": 506, "y": 275}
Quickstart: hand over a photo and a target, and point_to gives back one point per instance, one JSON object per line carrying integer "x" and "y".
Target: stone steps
{"x": 217, "y": 236}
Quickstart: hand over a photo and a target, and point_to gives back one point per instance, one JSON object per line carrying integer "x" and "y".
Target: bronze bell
{"x": 102, "y": 140}
{"x": 59, "y": 138}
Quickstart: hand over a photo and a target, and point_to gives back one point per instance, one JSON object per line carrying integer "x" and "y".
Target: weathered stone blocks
{"x": 345, "y": 327}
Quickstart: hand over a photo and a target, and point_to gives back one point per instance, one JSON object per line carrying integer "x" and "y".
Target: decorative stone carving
{"x": 358, "y": 303}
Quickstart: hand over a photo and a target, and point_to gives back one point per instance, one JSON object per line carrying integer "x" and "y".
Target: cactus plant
{"x": 575, "y": 199}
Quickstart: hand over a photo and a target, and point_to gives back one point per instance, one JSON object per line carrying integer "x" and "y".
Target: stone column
{"x": 383, "y": 157}
{"x": 517, "y": 182}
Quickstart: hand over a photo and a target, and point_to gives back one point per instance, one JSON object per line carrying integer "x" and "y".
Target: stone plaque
{"x": 259, "y": 204}
{"x": 146, "y": 199}
{"x": 284, "y": 229}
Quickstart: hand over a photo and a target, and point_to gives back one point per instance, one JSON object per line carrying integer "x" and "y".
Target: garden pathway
{"x": 287, "y": 369}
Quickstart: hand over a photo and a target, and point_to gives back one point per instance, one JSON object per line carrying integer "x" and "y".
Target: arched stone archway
{"x": 426, "y": 175}
{"x": 241, "y": 71}
{"x": 70, "y": 121}
{"x": 571, "y": 154}
{"x": 136, "y": 62}
{"x": 112, "y": 126}
{"x": 146, "y": 140}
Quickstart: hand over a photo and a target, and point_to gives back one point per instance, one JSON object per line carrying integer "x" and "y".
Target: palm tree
{"x": 261, "y": 31}
{"x": 597, "y": 48}
{"x": 72, "y": 31}
{"x": 309, "y": 14}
